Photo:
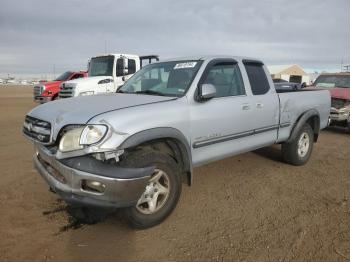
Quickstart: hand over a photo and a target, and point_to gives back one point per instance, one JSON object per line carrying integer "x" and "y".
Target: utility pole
{"x": 341, "y": 65}
{"x": 105, "y": 46}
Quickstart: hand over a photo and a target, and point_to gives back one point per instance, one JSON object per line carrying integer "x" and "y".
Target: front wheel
{"x": 298, "y": 151}
{"x": 162, "y": 191}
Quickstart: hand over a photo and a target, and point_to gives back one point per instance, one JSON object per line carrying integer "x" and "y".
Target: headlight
{"x": 87, "y": 93}
{"x": 92, "y": 134}
{"x": 70, "y": 140}
{"x": 79, "y": 137}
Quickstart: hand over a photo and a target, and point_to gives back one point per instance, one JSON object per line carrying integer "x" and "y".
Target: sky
{"x": 46, "y": 37}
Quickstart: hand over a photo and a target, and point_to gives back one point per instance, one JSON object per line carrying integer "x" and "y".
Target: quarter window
{"x": 227, "y": 79}
{"x": 257, "y": 78}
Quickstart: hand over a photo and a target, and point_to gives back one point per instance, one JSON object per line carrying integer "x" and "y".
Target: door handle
{"x": 245, "y": 107}
{"x": 259, "y": 105}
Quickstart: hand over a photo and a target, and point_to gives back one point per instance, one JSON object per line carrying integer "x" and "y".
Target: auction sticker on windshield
{"x": 185, "y": 65}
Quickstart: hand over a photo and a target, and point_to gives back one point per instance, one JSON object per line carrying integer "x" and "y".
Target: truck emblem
{"x": 29, "y": 127}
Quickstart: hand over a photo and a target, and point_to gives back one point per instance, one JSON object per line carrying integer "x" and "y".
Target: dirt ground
{"x": 250, "y": 207}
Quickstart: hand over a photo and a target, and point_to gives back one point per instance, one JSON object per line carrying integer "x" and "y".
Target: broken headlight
{"x": 76, "y": 138}
{"x": 92, "y": 134}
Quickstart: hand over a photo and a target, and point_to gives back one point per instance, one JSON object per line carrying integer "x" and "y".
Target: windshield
{"x": 329, "y": 81}
{"x": 64, "y": 76}
{"x": 167, "y": 79}
{"x": 101, "y": 66}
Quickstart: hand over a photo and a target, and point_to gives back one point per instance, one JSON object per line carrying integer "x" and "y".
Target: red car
{"x": 48, "y": 91}
{"x": 339, "y": 87}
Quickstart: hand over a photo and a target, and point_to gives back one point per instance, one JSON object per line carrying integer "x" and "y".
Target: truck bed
{"x": 294, "y": 103}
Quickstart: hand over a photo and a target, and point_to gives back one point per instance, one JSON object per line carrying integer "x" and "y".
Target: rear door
{"x": 265, "y": 102}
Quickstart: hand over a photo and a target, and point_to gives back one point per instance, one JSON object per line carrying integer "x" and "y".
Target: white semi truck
{"x": 106, "y": 74}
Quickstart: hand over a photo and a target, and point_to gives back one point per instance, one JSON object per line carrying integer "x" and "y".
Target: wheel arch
{"x": 176, "y": 141}
{"x": 311, "y": 117}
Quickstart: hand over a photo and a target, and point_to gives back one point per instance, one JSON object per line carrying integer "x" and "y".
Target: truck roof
{"x": 336, "y": 74}
{"x": 210, "y": 57}
{"x": 114, "y": 54}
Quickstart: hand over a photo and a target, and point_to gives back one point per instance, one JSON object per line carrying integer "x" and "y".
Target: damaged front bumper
{"x": 70, "y": 179}
{"x": 340, "y": 116}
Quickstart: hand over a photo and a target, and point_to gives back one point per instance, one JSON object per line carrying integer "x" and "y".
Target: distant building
{"x": 291, "y": 73}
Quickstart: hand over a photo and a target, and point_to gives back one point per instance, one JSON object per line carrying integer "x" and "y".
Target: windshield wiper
{"x": 150, "y": 92}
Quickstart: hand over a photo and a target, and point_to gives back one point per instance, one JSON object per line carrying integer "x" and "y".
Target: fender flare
{"x": 159, "y": 133}
{"x": 302, "y": 120}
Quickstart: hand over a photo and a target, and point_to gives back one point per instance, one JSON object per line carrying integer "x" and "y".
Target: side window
{"x": 77, "y": 76}
{"x": 119, "y": 67}
{"x": 257, "y": 78}
{"x": 227, "y": 79}
{"x": 131, "y": 66}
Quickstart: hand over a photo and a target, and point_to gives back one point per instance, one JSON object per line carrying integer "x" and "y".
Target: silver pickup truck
{"x": 133, "y": 149}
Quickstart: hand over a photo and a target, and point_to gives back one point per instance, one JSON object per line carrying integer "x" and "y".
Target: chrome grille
{"x": 66, "y": 91}
{"x": 37, "y": 90}
{"x": 338, "y": 103}
{"x": 37, "y": 129}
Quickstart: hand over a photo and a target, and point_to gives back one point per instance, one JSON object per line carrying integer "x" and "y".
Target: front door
{"x": 219, "y": 125}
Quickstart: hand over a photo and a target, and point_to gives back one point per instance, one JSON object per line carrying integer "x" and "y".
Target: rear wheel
{"x": 298, "y": 151}
{"x": 162, "y": 191}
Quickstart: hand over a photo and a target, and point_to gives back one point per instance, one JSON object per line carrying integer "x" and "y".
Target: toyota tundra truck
{"x": 48, "y": 91}
{"x": 106, "y": 74}
{"x": 133, "y": 149}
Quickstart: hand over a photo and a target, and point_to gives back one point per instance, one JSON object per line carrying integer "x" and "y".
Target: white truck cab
{"x": 106, "y": 73}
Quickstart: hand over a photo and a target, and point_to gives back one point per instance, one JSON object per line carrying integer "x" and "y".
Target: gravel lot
{"x": 250, "y": 207}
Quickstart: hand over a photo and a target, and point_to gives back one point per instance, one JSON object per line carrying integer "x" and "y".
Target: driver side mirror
{"x": 206, "y": 92}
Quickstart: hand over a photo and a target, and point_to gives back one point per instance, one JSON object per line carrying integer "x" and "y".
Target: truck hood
{"x": 342, "y": 93}
{"x": 51, "y": 84}
{"x": 89, "y": 80}
{"x": 79, "y": 110}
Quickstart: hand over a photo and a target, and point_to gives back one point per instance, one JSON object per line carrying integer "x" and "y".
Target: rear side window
{"x": 257, "y": 78}
{"x": 119, "y": 67}
{"x": 131, "y": 66}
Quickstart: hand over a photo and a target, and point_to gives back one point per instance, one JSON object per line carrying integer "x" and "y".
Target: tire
{"x": 298, "y": 154}
{"x": 140, "y": 215}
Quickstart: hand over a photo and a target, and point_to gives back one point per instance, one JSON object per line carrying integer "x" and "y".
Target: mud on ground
{"x": 250, "y": 207}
